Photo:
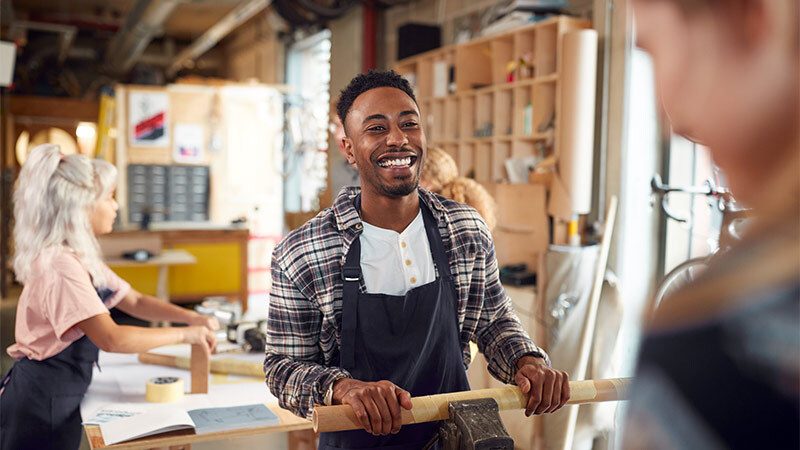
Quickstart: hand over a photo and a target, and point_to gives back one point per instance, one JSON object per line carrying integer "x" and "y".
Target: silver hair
{"x": 53, "y": 203}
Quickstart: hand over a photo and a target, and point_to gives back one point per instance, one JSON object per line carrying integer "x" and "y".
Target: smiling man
{"x": 376, "y": 299}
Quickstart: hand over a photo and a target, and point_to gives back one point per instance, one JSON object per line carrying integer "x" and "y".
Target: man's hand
{"x": 377, "y": 404}
{"x": 547, "y": 388}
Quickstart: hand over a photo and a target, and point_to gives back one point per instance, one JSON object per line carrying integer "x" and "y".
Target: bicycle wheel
{"x": 683, "y": 274}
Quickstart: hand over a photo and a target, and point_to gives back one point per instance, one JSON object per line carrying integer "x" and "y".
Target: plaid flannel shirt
{"x": 305, "y": 309}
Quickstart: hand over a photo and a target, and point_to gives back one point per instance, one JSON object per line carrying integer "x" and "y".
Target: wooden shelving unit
{"x": 483, "y": 111}
{"x": 472, "y": 110}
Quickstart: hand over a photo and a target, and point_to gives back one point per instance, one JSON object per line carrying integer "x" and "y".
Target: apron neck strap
{"x": 351, "y": 270}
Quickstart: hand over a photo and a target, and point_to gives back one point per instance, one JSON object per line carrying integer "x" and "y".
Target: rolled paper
{"x": 576, "y": 152}
{"x": 164, "y": 389}
{"x": 217, "y": 365}
{"x": 435, "y": 407}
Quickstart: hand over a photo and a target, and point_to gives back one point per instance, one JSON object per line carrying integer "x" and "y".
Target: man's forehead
{"x": 383, "y": 99}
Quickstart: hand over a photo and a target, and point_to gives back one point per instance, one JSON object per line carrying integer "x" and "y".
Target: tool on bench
{"x": 250, "y": 335}
{"x": 471, "y": 418}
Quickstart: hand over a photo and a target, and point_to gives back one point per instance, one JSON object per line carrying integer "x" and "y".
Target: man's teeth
{"x": 395, "y": 162}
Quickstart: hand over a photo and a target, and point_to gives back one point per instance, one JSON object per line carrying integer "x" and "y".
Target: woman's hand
{"x": 209, "y": 322}
{"x": 199, "y": 334}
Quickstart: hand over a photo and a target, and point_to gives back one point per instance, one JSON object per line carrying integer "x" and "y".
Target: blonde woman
{"x": 440, "y": 175}
{"x": 60, "y": 204}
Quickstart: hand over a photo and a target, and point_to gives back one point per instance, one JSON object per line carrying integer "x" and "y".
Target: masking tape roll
{"x": 164, "y": 389}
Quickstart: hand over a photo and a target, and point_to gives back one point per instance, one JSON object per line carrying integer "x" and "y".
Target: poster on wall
{"x": 147, "y": 119}
{"x": 187, "y": 143}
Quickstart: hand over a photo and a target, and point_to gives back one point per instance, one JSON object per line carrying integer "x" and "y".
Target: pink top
{"x": 54, "y": 302}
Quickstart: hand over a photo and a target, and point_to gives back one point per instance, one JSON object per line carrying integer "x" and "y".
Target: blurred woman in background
{"x": 60, "y": 204}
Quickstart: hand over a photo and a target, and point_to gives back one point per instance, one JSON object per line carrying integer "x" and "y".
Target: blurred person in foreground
{"x": 440, "y": 175}
{"x": 720, "y": 362}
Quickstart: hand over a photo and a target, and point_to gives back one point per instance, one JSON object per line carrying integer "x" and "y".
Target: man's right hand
{"x": 376, "y": 404}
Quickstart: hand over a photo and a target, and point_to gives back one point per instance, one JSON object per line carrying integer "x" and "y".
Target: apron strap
{"x": 435, "y": 242}
{"x": 351, "y": 277}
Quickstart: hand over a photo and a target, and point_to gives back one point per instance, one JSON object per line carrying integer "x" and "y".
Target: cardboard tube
{"x": 434, "y": 407}
{"x": 220, "y": 365}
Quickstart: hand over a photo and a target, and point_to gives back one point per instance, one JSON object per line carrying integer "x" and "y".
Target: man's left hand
{"x": 547, "y": 388}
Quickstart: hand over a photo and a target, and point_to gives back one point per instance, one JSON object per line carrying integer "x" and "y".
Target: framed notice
{"x": 187, "y": 143}
{"x": 147, "y": 119}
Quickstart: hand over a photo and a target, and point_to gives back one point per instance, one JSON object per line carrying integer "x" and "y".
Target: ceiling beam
{"x": 238, "y": 16}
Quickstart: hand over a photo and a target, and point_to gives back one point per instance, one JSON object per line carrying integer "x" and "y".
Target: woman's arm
{"x": 110, "y": 337}
{"x": 147, "y": 307}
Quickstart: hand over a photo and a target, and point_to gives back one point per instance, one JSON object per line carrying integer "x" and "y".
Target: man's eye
{"x": 410, "y": 124}
{"x": 376, "y": 128}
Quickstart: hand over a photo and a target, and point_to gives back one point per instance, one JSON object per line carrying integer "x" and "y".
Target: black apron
{"x": 40, "y": 401}
{"x": 410, "y": 340}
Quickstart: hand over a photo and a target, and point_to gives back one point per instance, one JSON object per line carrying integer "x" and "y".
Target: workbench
{"x": 121, "y": 379}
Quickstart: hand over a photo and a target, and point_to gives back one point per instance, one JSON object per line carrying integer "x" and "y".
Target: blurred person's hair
{"x": 53, "y": 203}
{"x": 441, "y": 174}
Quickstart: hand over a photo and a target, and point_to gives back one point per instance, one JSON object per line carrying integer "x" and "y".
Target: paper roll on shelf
{"x": 576, "y": 149}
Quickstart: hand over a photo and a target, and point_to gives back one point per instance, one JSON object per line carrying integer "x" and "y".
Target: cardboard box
{"x": 522, "y": 230}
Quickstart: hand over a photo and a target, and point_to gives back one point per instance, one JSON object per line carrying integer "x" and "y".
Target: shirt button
{"x": 413, "y": 280}
{"x": 403, "y": 244}
{"x": 408, "y": 262}
{"x": 358, "y": 226}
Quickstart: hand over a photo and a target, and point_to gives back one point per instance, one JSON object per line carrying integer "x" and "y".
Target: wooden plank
{"x": 55, "y": 107}
{"x": 200, "y": 367}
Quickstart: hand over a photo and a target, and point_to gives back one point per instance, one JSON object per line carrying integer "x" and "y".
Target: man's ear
{"x": 347, "y": 147}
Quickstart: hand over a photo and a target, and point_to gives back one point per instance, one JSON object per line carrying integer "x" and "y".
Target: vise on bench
{"x": 473, "y": 425}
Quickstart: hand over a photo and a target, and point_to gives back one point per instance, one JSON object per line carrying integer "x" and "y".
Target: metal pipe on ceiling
{"x": 238, "y": 16}
{"x": 66, "y": 34}
{"x": 144, "y": 22}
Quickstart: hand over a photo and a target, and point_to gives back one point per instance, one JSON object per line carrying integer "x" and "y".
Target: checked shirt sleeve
{"x": 500, "y": 335}
{"x": 294, "y": 360}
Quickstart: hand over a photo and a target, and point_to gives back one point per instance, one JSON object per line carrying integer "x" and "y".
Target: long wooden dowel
{"x": 434, "y": 407}
{"x": 590, "y": 321}
{"x": 221, "y": 365}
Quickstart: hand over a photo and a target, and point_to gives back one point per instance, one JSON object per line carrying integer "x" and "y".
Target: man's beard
{"x": 400, "y": 190}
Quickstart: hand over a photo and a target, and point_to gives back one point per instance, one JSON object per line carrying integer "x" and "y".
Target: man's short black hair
{"x": 366, "y": 81}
